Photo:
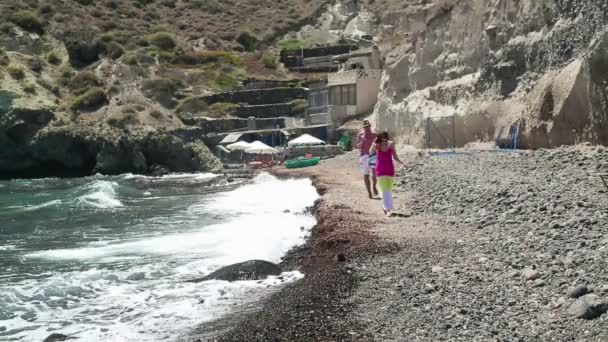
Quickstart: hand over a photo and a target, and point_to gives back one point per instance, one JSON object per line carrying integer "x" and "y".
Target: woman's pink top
{"x": 384, "y": 164}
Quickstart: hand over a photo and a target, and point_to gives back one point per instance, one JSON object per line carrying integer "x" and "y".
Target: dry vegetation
{"x": 165, "y": 53}
{"x": 226, "y": 24}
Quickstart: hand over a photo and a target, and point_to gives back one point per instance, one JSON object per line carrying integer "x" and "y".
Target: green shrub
{"x": 197, "y": 58}
{"x": 123, "y": 119}
{"x": 162, "y": 85}
{"x": 114, "y": 50}
{"x": 16, "y": 72}
{"x": 162, "y": 40}
{"x": 270, "y": 60}
{"x": 142, "y": 3}
{"x": 121, "y": 37}
{"x": 45, "y": 9}
{"x": 85, "y": 2}
{"x": 114, "y": 4}
{"x": 4, "y": 59}
{"x": 157, "y": 114}
{"x": 53, "y": 58}
{"x": 299, "y": 105}
{"x": 209, "y": 6}
{"x": 142, "y": 42}
{"x": 90, "y": 100}
{"x": 83, "y": 81}
{"x": 131, "y": 59}
{"x": 189, "y": 107}
{"x": 291, "y": 44}
{"x": 6, "y": 28}
{"x": 65, "y": 75}
{"x": 113, "y": 90}
{"x": 28, "y": 21}
{"x": 226, "y": 82}
{"x": 29, "y": 88}
{"x": 247, "y": 40}
{"x": 48, "y": 86}
{"x": 35, "y": 64}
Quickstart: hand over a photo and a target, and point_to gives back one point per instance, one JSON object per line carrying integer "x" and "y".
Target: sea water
{"x": 107, "y": 258}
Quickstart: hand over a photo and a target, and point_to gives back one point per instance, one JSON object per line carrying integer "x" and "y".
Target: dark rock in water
{"x": 588, "y": 307}
{"x": 248, "y": 270}
{"x": 137, "y": 276}
{"x": 578, "y": 291}
{"x": 159, "y": 170}
{"x": 55, "y": 337}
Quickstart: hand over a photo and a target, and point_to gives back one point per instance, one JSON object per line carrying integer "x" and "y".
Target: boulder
{"x": 588, "y": 307}
{"x": 248, "y": 270}
{"x": 55, "y": 337}
{"x": 578, "y": 291}
{"x": 120, "y": 158}
{"x": 33, "y": 150}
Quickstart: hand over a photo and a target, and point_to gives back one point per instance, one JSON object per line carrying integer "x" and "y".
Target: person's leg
{"x": 374, "y": 182}
{"x": 387, "y": 202}
{"x": 364, "y": 164}
{"x": 367, "y": 185}
{"x": 385, "y": 184}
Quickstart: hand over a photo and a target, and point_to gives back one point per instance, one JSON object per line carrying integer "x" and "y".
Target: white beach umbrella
{"x": 258, "y": 147}
{"x": 239, "y": 145}
{"x": 305, "y": 140}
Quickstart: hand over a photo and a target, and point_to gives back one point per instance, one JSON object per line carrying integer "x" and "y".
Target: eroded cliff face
{"x": 492, "y": 63}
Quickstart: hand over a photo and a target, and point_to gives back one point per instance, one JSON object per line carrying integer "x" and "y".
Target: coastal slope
{"x": 484, "y": 246}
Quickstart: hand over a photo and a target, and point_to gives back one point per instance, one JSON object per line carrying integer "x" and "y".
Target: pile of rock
{"x": 504, "y": 246}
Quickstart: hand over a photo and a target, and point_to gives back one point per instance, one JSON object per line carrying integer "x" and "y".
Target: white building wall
{"x": 367, "y": 94}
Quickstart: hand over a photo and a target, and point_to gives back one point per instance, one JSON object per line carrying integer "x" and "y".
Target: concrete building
{"x": 350, "y": 92}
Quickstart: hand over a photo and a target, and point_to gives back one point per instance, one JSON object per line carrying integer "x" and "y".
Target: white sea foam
{"x": 26, "y": 208}
{"x": 100, "y": 194}
{"x": 43, "y": 205}
{"x": 7, "y": 247}
{"x": 103, "y": 305}
{"x": 197, "y": 176}
{"x": 266, "y": 195}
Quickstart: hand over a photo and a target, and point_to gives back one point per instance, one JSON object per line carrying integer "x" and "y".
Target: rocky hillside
{"x": 114, "y": 78}
{"x": 492, "y": 63}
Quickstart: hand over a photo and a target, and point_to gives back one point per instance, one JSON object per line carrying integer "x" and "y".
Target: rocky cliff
{"x": 102, "y": 86}
{"x": 493, "y": 63}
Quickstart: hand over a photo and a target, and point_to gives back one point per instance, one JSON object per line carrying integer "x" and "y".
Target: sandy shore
{"x": 485, "y": 247}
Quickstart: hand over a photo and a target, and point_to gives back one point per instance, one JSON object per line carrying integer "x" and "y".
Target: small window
{"x": 352, "y": 94}
{"x": 314, "y": 99}
{"x": 337, "y": 95}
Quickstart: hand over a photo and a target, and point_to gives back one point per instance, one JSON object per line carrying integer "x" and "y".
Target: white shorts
{"x": 364, "y": 165}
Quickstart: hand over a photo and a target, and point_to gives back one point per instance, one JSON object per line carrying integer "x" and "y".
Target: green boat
{"x": 301, "y": 162}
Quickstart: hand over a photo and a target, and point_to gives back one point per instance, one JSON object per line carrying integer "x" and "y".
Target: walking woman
{"x": 385, "y": 169}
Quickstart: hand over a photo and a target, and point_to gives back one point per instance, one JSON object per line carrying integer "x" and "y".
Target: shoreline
{"x": 482, "y": 247}
{"x": 316, "y": 307}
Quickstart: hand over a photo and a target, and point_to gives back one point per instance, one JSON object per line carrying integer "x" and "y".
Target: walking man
{"x": 365, "y": 140}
